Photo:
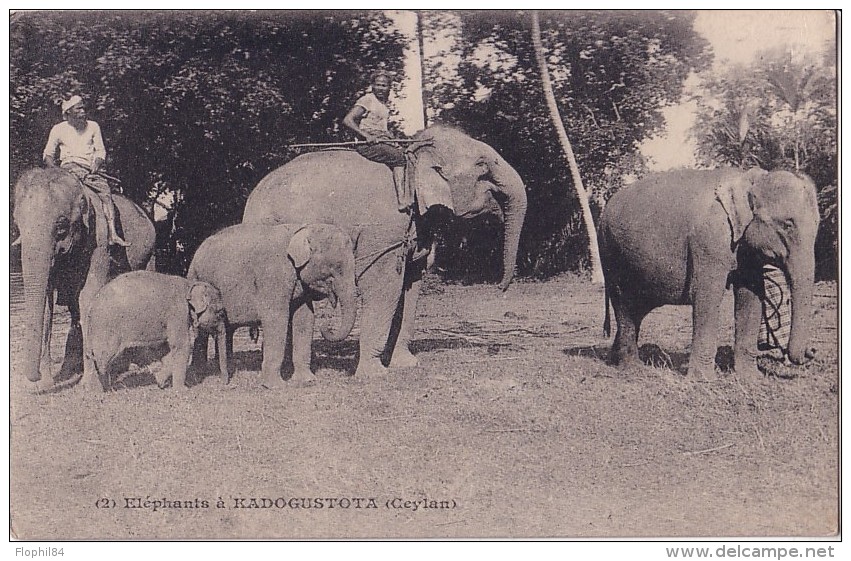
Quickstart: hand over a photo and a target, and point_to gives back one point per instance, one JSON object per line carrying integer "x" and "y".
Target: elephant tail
{"x": 607, "y": 323}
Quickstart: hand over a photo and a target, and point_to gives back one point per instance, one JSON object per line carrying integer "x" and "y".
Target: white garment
{"x": 374, "y": 121}
{"x": 78, "y": 147}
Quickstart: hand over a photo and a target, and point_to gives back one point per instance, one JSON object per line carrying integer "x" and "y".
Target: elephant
{"x": 269, "y": 274}
{"x": 145, "y": 309}
{"x": 60, "y": 252}
{"x": 684, "y": 236}
{"x": 341, "y": 187}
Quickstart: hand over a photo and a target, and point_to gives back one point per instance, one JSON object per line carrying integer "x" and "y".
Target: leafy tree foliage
{"x": 612, "y": 74}
{"x": 203, "y": 104}
{"x": 777, "y": 113}
{"x": 199, "y": 104}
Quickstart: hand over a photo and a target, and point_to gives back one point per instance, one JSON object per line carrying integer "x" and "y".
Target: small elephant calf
{"x": 270, "y": 276}
{"x": 145, "y": 309}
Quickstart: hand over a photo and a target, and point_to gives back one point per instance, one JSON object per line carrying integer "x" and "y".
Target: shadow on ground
{"x": 135, "y": 368}
{"x": 653, "y": 355}
{"x": 444, "y": 344}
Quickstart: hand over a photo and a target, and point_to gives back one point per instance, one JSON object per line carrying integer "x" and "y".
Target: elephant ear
{"x": 734, "y": 195}
{"x": 428, "y": 179}
{"x": 299, "y": 248}
{"x": 198, "y": 299}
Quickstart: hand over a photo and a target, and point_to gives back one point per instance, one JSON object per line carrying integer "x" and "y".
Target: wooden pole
{"x": 355, "y": 143}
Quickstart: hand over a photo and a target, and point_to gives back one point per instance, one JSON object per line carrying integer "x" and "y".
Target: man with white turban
{"x": 82, "y": 153}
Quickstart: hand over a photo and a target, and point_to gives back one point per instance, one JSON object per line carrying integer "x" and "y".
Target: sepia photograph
{"x": 418, "y": 274}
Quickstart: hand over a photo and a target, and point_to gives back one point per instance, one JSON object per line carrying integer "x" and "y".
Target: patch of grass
{"x": 513, "y": 414}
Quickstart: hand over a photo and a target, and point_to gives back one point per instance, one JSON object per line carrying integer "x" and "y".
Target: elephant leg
{"x": 229, "y": 333}
{"x": 89, "y": 368}
{"x": 162, "y": 374}
{"x": 222, "y": 353}
{"x": 94, "y": 281}
{"x": 274, "y": 343}
{"x": 99, "y": 361}
{"x": 381, "y": 286}
{"x": 180, "y": 341}
{"x": 401, "y": 356}
{"x": 628, "y": 317}
{"x": 302, "y": 337}
{"x": 180, "y": 363}
{"x": 166, "y": 372}
{"x": 706, "y": 317}
{"x": 748, "y": 317}
{"x": 92, "y": 379}
{"x": 72, "y": 364}
{"x": 199, "y": 351}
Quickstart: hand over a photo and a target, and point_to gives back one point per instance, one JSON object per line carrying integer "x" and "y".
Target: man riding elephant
{"x": 82, "y": 153}
{"x": 368, "y": 119}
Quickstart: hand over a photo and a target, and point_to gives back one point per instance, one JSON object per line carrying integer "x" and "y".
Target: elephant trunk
{"x": 36, "y": 259}
{"x": 346, "y": 299}
{"x": 514, "y": 211}
{"x": 801, "y": 285}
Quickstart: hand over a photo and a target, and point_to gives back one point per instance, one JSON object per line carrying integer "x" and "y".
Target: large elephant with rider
{"x": 340, "y": 187}
{"x": 64, "y": 253}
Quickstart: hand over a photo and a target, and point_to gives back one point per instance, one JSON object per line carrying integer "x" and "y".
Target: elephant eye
{"x": 789, "y": 224}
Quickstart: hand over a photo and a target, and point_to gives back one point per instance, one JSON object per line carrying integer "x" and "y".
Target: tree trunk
{"x": 593, "y": 247}
{"x": 421, "y": 45}
{"x": 797, "y": 151}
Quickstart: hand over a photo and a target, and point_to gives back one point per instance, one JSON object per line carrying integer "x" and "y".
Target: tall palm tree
{"x": 795, "y": 84}
{"x": 593, "y": 247}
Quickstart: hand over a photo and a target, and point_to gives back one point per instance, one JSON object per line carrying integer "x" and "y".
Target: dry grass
{"x": 513, "y": 415}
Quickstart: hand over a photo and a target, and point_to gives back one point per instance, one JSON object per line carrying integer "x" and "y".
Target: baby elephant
{"x": 145, "y": 309}
{"x": 270, "y": 275}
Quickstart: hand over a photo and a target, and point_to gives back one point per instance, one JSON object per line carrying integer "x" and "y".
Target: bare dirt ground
{"x": 512, "y": 426}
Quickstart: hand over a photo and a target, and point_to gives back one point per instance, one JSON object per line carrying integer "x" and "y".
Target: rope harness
{"x": 403, "y": 246}
{"x": 376, "y": 255}
{"x": 776, "y": 320}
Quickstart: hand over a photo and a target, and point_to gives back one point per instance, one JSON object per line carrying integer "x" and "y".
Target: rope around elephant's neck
{"x": 375, "y": 256}
{"x": 404, "y": 244}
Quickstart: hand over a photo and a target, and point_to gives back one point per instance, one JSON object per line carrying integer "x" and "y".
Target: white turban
{"x": 66, "y": 105}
